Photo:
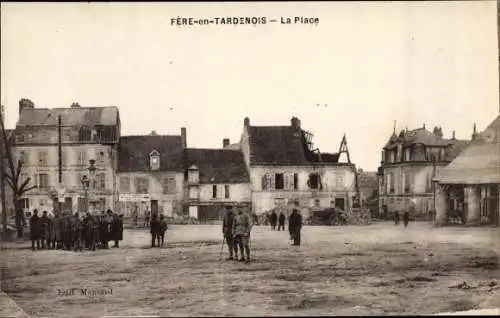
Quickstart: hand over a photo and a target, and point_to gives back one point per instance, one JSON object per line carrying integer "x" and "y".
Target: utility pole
{"x": 59, "y": 146}
{"x": 2, "y": 177}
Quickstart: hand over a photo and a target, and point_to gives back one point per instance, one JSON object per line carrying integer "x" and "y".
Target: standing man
{"x": 242, "y": 226}
{"x": 90, "y": 234}
{"x": 294, "y": 226}
{"x": 35, "y": 229}
{"x": 274, "y": 219}
{"x": 396, "y": 218}
{"x": 45, "y": 229}
{"x": 154, "y": 228}
{"x": 281, "y": 220}
{"x": 103, "y": 231}
{"x": 117, "y": 229}
{"x": 406, "y": 218}
{"x": 77, "y": 230}
{"x": 146, "y": 218}
{"x": 227, "y": 231}
{"x": 57, "y": 230}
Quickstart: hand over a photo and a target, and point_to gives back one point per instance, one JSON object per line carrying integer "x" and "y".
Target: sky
{"x": 366, "y": 64}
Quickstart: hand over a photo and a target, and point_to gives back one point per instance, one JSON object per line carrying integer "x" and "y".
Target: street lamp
{"x": 91, "y": 170}
{"x": 85, "y": 183}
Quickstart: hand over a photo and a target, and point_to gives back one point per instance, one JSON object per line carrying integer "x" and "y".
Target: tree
{"x": 13, "y": 179}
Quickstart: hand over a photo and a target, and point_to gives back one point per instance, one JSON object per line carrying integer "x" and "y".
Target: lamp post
{"x": 91, "y": 170}
{"x": 85, "y": 183}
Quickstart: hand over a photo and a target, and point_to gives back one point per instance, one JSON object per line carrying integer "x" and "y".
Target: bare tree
{"x": 13, "y": 179}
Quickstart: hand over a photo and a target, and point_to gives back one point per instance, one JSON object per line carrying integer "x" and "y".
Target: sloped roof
{"x": 418, "y": 136}
{"x": 479, "y": 163}
{"x": 218, "y": 165}
{"x": 275, "y": 145}
{"x": 134, "y": 151}
{"x": 233, "y": 147}
{"x": 70, "y": 116}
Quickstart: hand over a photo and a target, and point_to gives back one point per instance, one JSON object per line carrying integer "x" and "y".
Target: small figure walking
{"x": 396, "y": 218}
{"x": 274, "y": 219}
{"x": 154, "y": 228}
{"x": 406, "y": 218}
{"x": 281, "y": 220}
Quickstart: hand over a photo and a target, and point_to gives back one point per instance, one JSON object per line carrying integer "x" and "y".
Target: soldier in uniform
{"x": 76, "y": 233}
{"x": 90, "y": 237}
{"x": 242, "y": 226}
{"x": 294, "y": 226}
{"x": 45, "y": 230}
{"x": 227, "y": 231}
{"x": 56, "y": 228}
{"x": 35, "y": 230}
{"x": 396, "y": 218}
{"x": 154, "y": 228}
{"x": 406, "y": 218}
{"x": 116, "y": 229}
{"x": 162, "y": 230}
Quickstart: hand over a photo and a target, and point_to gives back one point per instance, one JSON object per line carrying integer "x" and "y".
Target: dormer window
{"x": 154, "y": 160}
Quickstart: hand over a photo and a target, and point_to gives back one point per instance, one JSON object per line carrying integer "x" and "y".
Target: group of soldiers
{"x": 236, "y": 231}
{"x": 73, "y": 232}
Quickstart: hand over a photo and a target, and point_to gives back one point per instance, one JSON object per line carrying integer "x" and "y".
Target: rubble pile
{"x": 359, "y": 217}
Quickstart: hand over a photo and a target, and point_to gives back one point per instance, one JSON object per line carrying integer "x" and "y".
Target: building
{"x": 150, "y": 174}
{"x": 409, "y": 162}
{"x": 287, "y": 171}
{"x": 469, "y": 186}
{"x": 217, "y": 180}
{"x": 368, "y": 186}
{"x": 87, "y": 134}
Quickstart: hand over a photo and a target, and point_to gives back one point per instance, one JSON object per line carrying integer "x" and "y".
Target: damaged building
{"x": 89, "y": 138}
{"x": 286, "y": 170}
{"x": 150, "y": 174}
{"x": 410, "y": 160}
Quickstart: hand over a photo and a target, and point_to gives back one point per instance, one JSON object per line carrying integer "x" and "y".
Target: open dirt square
{"x": 354, "y": 270}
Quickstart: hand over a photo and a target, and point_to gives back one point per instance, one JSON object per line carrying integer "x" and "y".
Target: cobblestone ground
{"x": 354, "y": 270}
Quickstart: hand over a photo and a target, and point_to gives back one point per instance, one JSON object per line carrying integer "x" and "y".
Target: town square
{"x": 345, "y": 163}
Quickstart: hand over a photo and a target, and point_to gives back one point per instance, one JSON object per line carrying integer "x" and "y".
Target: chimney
{"x": 75, "y": 105}
{"x": 25, "y": 103}
{"x": 183, "y": 137}
{"x": 295, "y": 122}
{"x": 246, "y": 122}
{"x": 225, "y": 142}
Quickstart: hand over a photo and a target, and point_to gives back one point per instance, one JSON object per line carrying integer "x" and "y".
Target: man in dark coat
{"x": 57, "y": 230}
{"x": 294, "y": 226}
{"x": 281, "y": 220}
{"x": 117, "y": 229}
{"x": 227, "y": 231}
{"x": 35, "y": 230}
{"x": 45, "y": 224}
{"x": 90, "y": 232}
{"x": 154, "y": 228}
{"x": 274, "y": 219}
{"x": 406, "y": 218}
{"x": 104, "y": 231}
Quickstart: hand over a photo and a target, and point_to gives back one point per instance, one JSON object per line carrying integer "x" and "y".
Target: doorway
{"x": 340, "y": 203}
{"x": 154, "y": 207}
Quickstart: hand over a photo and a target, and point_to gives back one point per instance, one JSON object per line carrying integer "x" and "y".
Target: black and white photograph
{"x": 210, "y": 159}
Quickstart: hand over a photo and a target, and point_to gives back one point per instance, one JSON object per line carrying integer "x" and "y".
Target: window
{"x": 25, "y": 203}
{"x": 314, "y": 181}
{"x": 124, "y": 184}
{"x": 24, "y": 157}
{"x": 214, "y": 191}
{"x": 226, "y": 191}
{"x": 82, "y": 158}
{"x": 64, "y": 158}
{"x": 154, "y": 160}
{"x": 43, "y": 180}
{"x": 101, "y": 157}
{"x": 279, "y": 181}
{"x": 102, "y": 181}
{"x": 267, "y": 182}
{"x": 406, "y": 182}
{"x": 81, "y": 205}
{"x": 390, "y": 183}
{"x": 392, "y": 157}
{"x": 142, "y": 185}
{"x": 42, "y": 158}
{"x": 429, "y": 184}
{"x": 168, "y": 185}
{"x": 102, "y": 204}
{"x": 408, "y": 154}
{"x": 316, "y": 202}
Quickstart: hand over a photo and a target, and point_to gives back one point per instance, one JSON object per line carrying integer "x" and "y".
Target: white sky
{"x": 371, "y": 63}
